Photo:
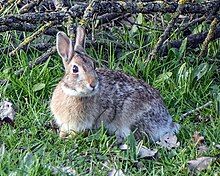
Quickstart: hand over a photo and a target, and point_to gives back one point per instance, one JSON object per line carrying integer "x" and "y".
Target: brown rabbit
{"x": 87, "y": 97}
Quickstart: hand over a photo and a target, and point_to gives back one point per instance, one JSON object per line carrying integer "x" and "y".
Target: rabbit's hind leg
{"x": 120, "y": 132}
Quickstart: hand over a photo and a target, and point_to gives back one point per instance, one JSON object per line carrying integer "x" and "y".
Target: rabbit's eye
{"x": 75, "y": 69}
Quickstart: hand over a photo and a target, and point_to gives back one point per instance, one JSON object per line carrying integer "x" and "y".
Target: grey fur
{"x": 121, "y": 102}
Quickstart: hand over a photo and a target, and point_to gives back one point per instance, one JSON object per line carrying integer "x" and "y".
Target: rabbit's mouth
{"x": 85, "y": 92}
{"x": 89, "y": 91}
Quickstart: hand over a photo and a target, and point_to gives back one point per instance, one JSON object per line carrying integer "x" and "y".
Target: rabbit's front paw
{"x": 122, "y": 134}
{"x": 63, "y": 134}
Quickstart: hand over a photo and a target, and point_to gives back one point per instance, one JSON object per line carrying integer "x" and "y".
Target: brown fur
{"x": 90, "y": 97}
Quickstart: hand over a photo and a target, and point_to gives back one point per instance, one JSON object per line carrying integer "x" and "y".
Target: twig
{"x": 39, "y": 46}
{"x": 144, "y": 27}
{"x": 42, "y": 46}
{"x": 27, "y": 27}
{"x": 31, "y": 38}
{"x": 193, "y": 22}
{"x": 70, "y": 27}
{"x": 43, "y": 58}
{"x": 40, "y": 60}
{"x": 209, "y": 37}
{"x": 6, "y": 5}
{"x": 59, "y": 5}
{"x": 193, "y": 41}
{"x": 108, "y": 17}
{"x": 165, "y": 34}
{"x": 89, "y": 12}
{"x": 194, "y": 110}
{"x": 69, "y": 23}
{"x": 27, "y": 7}
{"x": 36, "y": 17}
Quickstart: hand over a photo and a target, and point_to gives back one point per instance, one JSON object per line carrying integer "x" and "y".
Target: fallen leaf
{"x": 198, "y": 138}
{"x": 28, "y": 160}
{"x": 6, "y": 110}
{"x": 65, "y": 170}
{"x": 200, "y": 163}
{"x": 169, "y": 141}
{"x": 38, "y": 86}
{"x": 217, "y": 146}
{"x": 123, "y": 147}
{"x": 145, "y": 152}
{"x": 115, "y": 172}
{"x": 202, "y": 149}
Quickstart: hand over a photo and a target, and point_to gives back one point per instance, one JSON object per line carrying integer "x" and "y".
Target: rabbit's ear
{"x": 64, "y": 47}
{"x": 80, "y": 40}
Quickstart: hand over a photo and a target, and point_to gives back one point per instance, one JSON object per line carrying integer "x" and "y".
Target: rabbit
{"x": 87, "y": 97}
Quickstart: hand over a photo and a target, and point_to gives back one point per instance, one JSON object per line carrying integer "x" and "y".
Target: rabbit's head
{"x": 80, "y": 77}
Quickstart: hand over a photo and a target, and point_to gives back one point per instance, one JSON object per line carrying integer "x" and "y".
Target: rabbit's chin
{"x": 79, "y": 93}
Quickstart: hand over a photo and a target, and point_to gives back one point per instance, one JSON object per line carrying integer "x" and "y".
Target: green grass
{"x": 184, "y": 80}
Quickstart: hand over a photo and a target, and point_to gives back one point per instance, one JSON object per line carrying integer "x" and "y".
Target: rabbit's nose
{"x": 92, "y": 85}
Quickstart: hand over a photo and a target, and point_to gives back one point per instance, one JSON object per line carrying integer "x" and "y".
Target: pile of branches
{"x": 44, "y": 18}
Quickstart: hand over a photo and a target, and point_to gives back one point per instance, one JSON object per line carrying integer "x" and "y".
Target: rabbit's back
{"x": 120, "y": 90}
{"x": 132, "y": 104}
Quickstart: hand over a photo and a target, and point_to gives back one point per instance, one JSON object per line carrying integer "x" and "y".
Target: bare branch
{"x": 27, "y": 27}
{"x": 103, "y": 7}
{"x": 193, "y": 41}
{"x": 209, "y": 37}
{"x": 27, "y": 7}
{"x": 40, "y": 60}
{"x": 193, "y": 22}
{"x": 166, "y": 33}
{"x": 31, "y": 38}
{"x": 194, "y": 110}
